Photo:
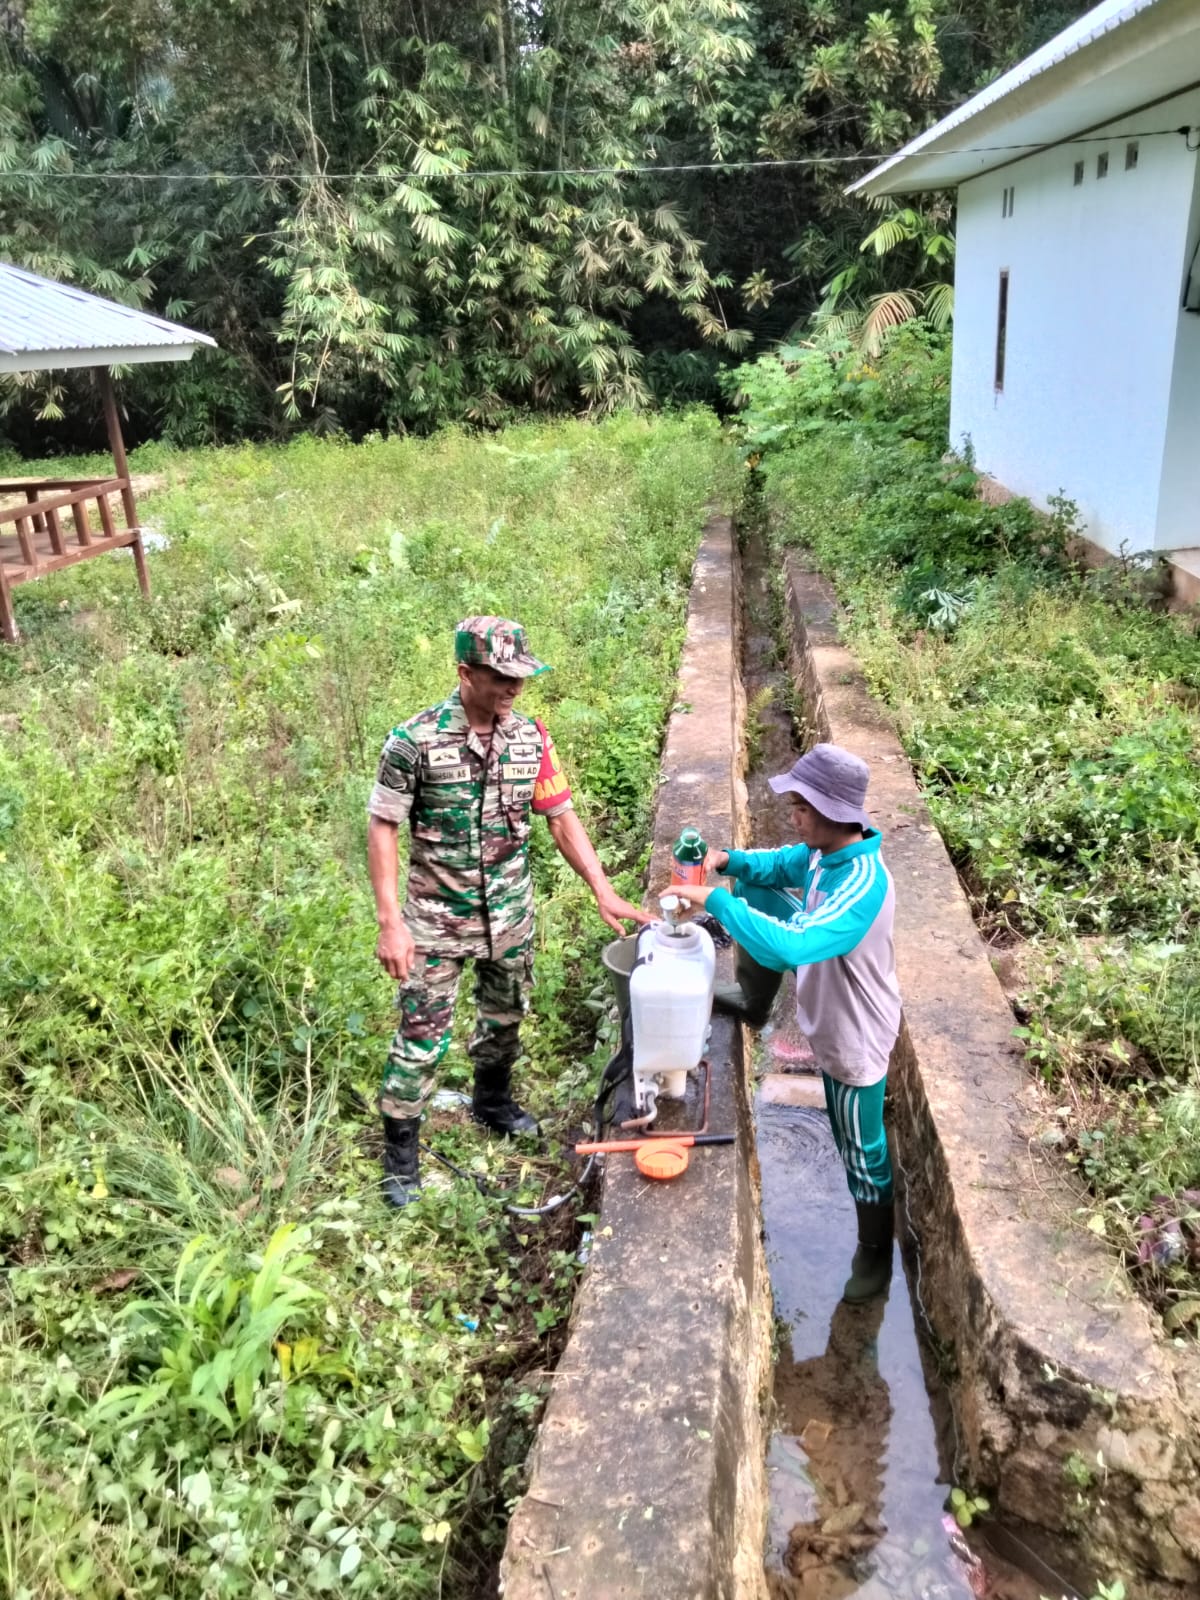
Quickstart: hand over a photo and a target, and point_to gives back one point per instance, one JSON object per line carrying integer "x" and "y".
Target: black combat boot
{"x": 871, "y": 1269}
{"x": 492, "y": 1103}
{"x": 753, "y": 995}
{"x": 401, "y": 1160}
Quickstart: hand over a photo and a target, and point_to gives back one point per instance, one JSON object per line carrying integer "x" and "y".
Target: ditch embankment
{"x": 1072, "y": 1411}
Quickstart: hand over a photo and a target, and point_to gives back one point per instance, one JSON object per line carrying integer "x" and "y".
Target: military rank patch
{"x": 447, "y": 756}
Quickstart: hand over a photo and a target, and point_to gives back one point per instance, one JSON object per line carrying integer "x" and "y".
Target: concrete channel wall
{"x": 647, "y": 1477}
{"x": 1073, "y": 1409}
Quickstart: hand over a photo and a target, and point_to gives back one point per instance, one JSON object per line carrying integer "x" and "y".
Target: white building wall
{"x": 1179, "y": 496}
{"x": 1095, "y": 279}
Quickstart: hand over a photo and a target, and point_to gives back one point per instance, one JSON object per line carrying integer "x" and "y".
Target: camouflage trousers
{"x": 426, "y": 1005}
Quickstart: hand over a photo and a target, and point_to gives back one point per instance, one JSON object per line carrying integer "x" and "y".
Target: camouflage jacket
{"x": 468, "y": 804}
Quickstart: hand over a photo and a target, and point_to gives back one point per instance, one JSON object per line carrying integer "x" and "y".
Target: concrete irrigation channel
{"x": 676, "y": 1459}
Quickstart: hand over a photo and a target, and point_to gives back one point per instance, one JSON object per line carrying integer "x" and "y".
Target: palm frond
{"x": 832, "y": 327}
{"x": 939, "y": 306}
{"x": 890, "y": 232}
{"x": 887, "y": 311}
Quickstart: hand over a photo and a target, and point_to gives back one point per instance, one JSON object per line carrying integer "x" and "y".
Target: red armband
{"x": 551, "y": 789}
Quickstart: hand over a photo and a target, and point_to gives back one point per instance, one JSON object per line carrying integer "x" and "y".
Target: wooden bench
{"x": 57, "y": 523}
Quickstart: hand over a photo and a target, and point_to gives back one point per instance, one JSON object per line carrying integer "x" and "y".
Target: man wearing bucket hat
{"x": 466, "y": 776}
{"x": 824, "y": 907}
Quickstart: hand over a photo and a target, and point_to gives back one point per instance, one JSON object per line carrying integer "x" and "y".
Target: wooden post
{"x": 116, "y": 444}
{"x": 26, "y": 542}
{"x": 9, "y": 631}
{"x": 83, "y": 526}
{"x": 57, "y": 543}
{"x": 106, "y": 519}
{"x": 39, "y": 522}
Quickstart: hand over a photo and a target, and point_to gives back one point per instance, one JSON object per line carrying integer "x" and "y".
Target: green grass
{"x": 223, "y": 1363}
{"x": 1054, "y": 722}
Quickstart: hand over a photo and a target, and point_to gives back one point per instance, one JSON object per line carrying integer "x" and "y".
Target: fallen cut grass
{"x": 225, "y": 1368}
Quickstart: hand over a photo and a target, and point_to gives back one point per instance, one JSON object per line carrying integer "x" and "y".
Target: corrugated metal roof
{"x": 1087, "y": 33}
{"x": 45, "y": 324}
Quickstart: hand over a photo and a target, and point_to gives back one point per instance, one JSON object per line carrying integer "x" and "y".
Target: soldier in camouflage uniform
{"x": 466, "y": 776}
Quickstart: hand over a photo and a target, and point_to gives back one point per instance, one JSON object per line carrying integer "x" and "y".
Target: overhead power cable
{"x": 631, "y": 171}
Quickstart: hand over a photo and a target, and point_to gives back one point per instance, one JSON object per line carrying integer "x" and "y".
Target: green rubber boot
{"x": 753, "y": 995}
{"x": 871, "y": 1269}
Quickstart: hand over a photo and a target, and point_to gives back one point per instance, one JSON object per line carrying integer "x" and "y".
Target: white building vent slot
{"x": 1131, "y": 156}
{"x": 1001, "y": 332}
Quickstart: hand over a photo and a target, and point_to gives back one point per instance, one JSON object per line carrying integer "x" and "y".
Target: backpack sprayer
{"x": 663, "y": 978}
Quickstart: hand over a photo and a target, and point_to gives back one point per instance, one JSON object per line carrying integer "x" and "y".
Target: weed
{"x": 1077, "y": 1471}
{"x": 225, "y": 1369}
{"x": 1115, "y": 1590}
{"x": 759, "y": 704}
{"x": 965, "y": 1506}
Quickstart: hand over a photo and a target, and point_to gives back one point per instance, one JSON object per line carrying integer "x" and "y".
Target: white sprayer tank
{"x": 670, "y": 1003}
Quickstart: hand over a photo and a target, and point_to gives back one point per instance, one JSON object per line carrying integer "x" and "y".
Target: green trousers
{"x": 426, "y": 1004}
{"x": 856, "y": 1117}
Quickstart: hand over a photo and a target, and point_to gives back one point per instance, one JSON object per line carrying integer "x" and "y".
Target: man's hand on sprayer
{"x": 695, "y": 894}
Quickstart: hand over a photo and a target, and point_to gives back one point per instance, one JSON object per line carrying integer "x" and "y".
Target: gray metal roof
{"x": 44, "y": 324}
{"x": 1120, "y": 55}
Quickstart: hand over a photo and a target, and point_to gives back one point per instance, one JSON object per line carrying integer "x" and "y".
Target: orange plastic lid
{"x": 664, "y": 1160}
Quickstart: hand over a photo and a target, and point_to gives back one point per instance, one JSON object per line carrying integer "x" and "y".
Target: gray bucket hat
{"x": 833, "y": 781}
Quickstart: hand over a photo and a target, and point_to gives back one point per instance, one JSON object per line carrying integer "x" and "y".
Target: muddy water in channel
{"x": 857, "y": 1467}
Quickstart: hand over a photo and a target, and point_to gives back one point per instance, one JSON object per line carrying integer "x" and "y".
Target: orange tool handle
{"x": 619, "y": 1146}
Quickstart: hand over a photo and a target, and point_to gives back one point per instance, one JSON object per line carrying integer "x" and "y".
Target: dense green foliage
{"x": 394, "y": 216}
{"x": 1055, "y": 723}
{"x": 223, "y": 1362}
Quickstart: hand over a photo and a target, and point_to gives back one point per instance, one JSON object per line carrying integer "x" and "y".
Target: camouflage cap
{"x": 496, "y": 642}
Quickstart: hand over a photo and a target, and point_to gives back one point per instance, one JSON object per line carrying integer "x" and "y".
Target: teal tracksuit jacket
{"x": 830, "y": 919}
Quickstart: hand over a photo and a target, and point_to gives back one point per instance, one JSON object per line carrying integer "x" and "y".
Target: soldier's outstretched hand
{"x": 616, "y": 911}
